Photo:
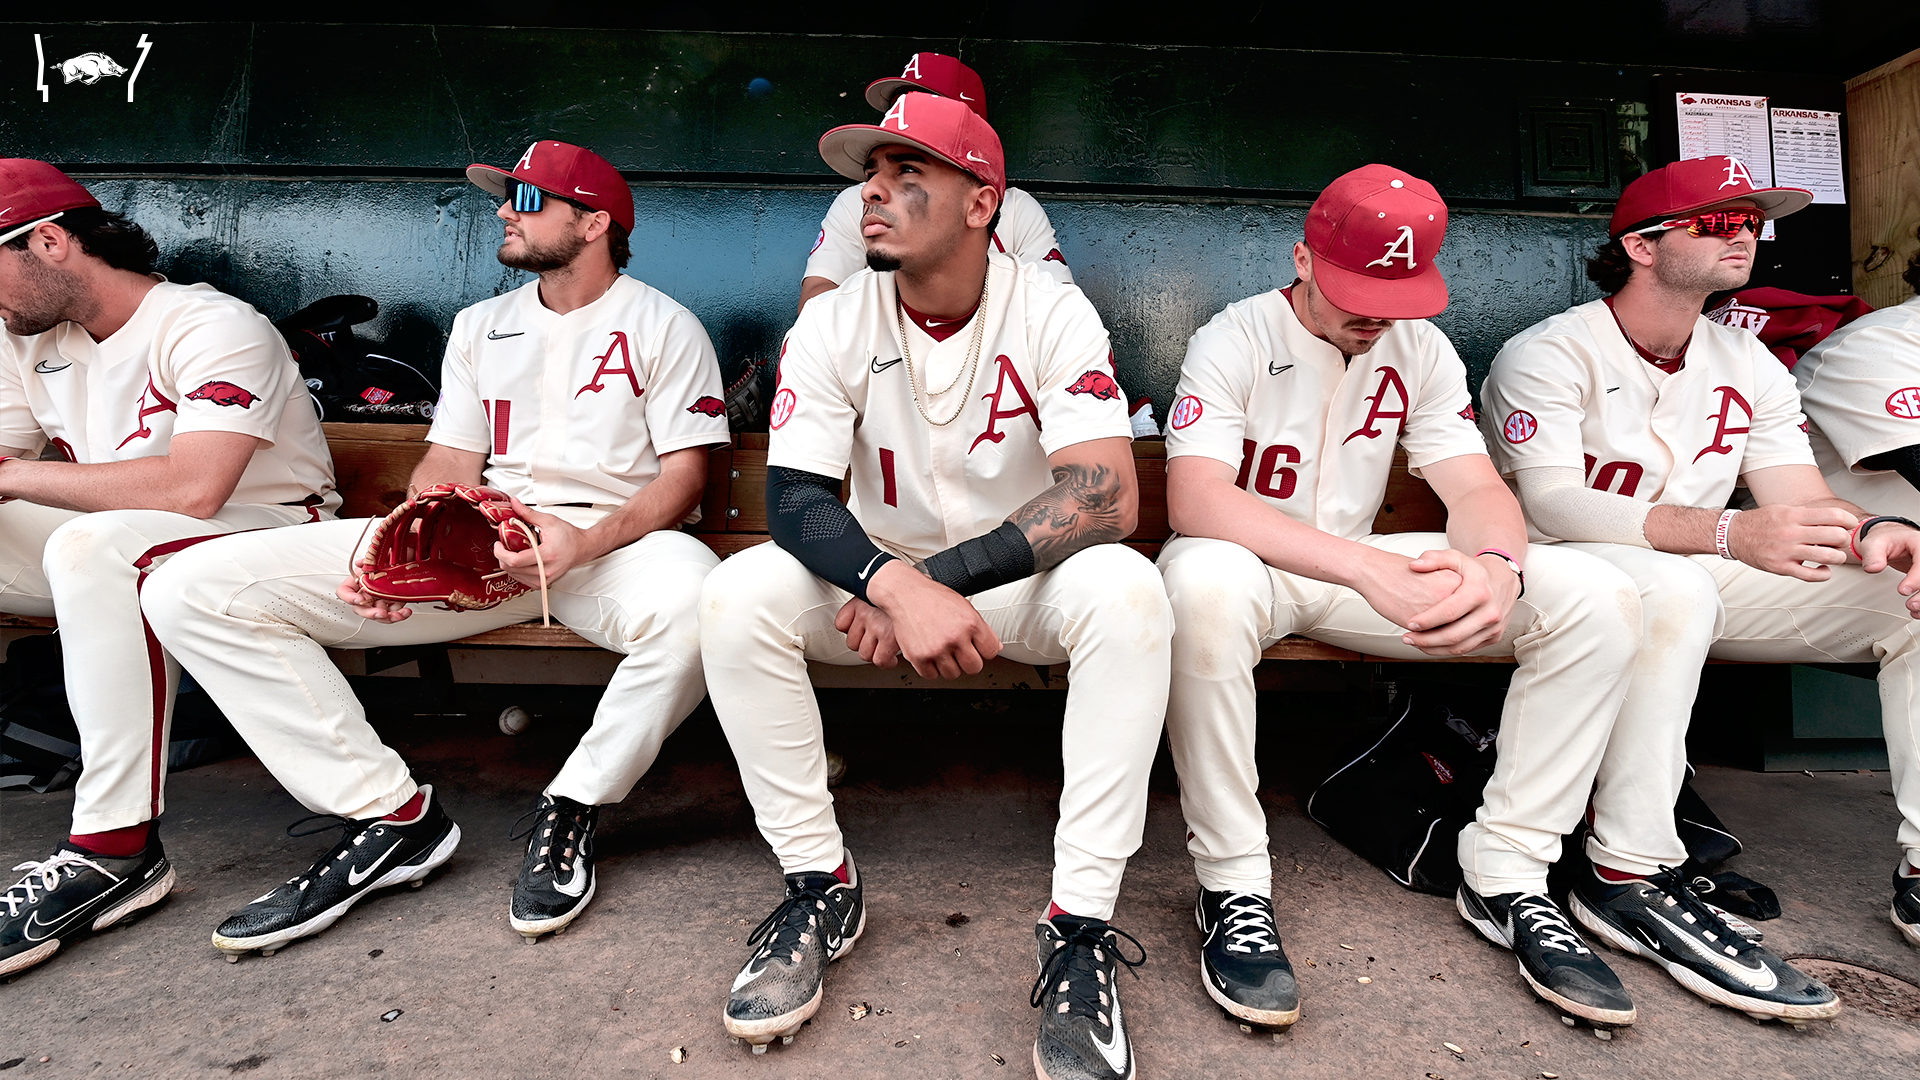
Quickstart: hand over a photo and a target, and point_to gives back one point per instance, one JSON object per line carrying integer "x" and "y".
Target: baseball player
{"x": 1626, "y": 424}
{"x": 592, "y": 400}
{"x": 1279, "y": 445}
{"x": 162, "y": 415}
{"x": 1022, "y": 229}
{"x": 972, "y": 398}
{"x": 1861, "y": 392}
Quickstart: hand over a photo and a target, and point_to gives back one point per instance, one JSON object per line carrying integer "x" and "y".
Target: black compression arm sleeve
{"x": 984, "y": 562}
{"x": 806, "y": 517}
{"x": 1905, "y": 461}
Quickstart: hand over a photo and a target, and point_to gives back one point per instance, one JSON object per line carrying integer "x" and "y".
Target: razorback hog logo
{"x": 1098, "y": 383}
{"x": 224, "y": 393}
{"x": 708, "y": 406}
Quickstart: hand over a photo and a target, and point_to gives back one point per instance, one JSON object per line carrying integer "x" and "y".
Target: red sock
{"x": 1617, "y": 877}
{"x": 1054, "y": 909}
{"x": 1907, "y": 870}
{"x": 118, "y": 843}
{"x": 841, "y": 873}
{"x": 409, "y": 809}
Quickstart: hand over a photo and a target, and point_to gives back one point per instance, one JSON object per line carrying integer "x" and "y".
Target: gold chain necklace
{"x": 973, "y": 355}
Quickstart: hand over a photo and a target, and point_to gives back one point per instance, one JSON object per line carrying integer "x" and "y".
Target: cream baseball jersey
{"x": 1043, "y": 380}
{"x": 1860, "y": 389}
{"x": 1571, "y": 392}
{"x": 1311, "y": 432}
{"x": 1024, "y": 233}
{"x": 578, "y": 408}
{"x": 190, "y": 359}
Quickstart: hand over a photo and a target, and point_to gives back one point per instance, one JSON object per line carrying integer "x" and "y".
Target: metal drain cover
{"x": 1865, "y": 989}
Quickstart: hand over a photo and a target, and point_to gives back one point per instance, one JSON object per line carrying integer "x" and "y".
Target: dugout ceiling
{"x": 287, "y": 161}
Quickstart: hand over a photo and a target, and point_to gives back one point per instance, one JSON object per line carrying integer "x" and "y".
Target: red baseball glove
{"x": 438, "y": 546}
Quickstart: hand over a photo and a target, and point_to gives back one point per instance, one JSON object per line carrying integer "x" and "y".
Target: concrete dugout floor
{"x": 949, "y": 810}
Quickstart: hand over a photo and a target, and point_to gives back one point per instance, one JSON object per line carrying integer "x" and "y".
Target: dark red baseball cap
{"x": 1697, "y": 184}
{"x": 1373, "y": 233}
{"x": 569, "y": 171}
{"x": 943, "y": 127}
{"x": 34, "y": 192}
{"x": 933, "y": 73}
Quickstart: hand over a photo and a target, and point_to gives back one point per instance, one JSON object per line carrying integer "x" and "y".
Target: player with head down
{"x": 1279, "y": 446}
{"x": 162, "y": 415}
{"x": 974, "y": 402}
{"x": 840, "y": 250}
{"x": 1626, "y": 424}
{"x": 589, "y": 398}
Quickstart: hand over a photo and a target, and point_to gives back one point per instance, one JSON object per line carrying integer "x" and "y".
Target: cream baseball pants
{"x": 252, "y": 618}
{"x": 89, "y": 571}
{"x": 1696, "y": 606}
{"x": 1574, "y": 635}
{"x": 1102, "y": 611}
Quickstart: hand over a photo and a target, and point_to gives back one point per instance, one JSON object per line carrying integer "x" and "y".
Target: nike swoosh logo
{"x": 869, "y": 567}
{"x": 583, "y": 191}
{"x": 971, "y": 156}
{"x": 1759, "y": 977}
{"x": 52, "y": 928}
{"x": 747, "y": 975}
{"x": 879, "y": 367}
{"x": 355, "y": 877}
{"x": 43, "y": 369}
{"x": 577, "y": 885}
{"x": 963, "y": 97}
{"x": 495, "y": 335}
{"x": 1114, "y": 1050}
{"x": 1611, "y": 389}
{"x": 1272, "y": 370}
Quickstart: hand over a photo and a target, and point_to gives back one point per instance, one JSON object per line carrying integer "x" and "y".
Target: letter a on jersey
{"x": 1729, "y": 397}
{"x": 625, "y": 368}
{"x": 1400, "y": 247}
{"x": 1008, "y": 373}
{"x": 1377, "y": 410}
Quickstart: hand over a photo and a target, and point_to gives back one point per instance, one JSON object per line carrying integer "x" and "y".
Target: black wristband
{"x": 1861, "y": 533}
{"x": 984, "y": 562}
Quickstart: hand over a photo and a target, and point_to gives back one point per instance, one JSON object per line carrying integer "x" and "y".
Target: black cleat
{"x": 1906, "y": 905}
{"x": 556, "y": 877}
{"x": 1555, "y": 963}
{"x": 1241, "y": 962}
{"x": 780, "y": 987}
{"x": 1082, "y": 1033}
{"x": 71, "y": 894}
{"x": 371, "y": 855}
{"x": 1661, "y": 919}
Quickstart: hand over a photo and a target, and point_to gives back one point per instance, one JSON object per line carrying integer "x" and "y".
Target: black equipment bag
{"x": 40, "y": 744}
{"x": 350, "y": 383}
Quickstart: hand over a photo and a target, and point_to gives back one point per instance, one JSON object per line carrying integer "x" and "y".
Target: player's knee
{"x": 1680, "y": 602}
{"x": 1113, "y": 581}
{"x": 738, "y": 595}
{"x": 90, "y": 543}
{"x": 164, "y": 600}
{"x": 1214, "y": 591}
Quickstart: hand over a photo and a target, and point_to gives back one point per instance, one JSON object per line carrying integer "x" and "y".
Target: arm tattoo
{"x": 1081, "y": 509}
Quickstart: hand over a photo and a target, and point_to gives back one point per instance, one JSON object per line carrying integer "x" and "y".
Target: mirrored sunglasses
{"x": 526, "y": 198}
{"x": 1722, "y": 223}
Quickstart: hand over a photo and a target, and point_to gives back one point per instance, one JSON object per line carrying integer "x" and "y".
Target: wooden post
{"x": 1883, "y": 118}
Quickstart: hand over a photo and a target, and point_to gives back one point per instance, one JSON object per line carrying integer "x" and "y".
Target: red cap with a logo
{"x": 33, "y": 192}
{"x": 1373, "y": 234}
{"x": 932, "y": 73}
{"x": 569, "y": 171}
{"x": 1697, "y": 184}
{"x": 943, "y": 127}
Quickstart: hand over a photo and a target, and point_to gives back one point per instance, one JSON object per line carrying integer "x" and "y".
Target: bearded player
{"x": 592, "y": 400}
{"x": 973, "y": 400}
{"x": 1279, "y": 445}
{"x": 1023, "y": 231}
{"x": 1626, "y": 424}
{"x": 162, "y": 415}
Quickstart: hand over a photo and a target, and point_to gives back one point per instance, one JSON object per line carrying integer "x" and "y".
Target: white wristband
{"x": 1720, "y": 534}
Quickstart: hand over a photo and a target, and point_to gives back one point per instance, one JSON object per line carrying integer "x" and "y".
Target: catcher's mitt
{"x": 438, "y": 546}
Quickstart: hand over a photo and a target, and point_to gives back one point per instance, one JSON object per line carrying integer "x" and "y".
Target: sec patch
{"x": 1904, "y": 403}
{"x": 1519, "y": 427}
{"x": 782, "y": 409}
{"x": 1185, "y": 411}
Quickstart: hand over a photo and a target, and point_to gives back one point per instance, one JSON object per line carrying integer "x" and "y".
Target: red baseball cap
{"x": 563, "y": 169}
{"x": 34, "y": 192}
{"x": 933, "y": 73}
{"x": 1373, "y": 234}
{"x": 946, "y": 128}
{"x": 1688, "y": 187}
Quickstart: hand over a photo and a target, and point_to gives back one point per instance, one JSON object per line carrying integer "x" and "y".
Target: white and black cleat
{"x": 1554, "y": 962}
{"x": 780, "y": 987}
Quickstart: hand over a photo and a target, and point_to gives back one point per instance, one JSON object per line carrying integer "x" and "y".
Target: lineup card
{"x": 1806, "y": 152}
{"x": 1731, "y": 124}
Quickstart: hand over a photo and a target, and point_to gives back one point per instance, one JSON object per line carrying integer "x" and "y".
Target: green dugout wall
{"x": 283, "y": 162}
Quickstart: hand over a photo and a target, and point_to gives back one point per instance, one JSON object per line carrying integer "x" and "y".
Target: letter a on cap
{"x": 913, "y": 67}
{"x": 897, "y": 113}
{"x": 1400, "y": 247}
{"x": 526, "y": 159}
{"x": 1737, "y": 174}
